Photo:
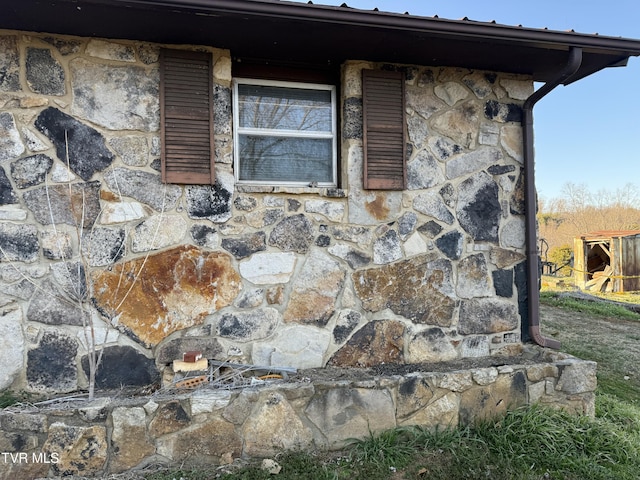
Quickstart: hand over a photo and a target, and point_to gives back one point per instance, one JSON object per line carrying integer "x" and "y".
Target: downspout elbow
{"x": 533, "y": 293}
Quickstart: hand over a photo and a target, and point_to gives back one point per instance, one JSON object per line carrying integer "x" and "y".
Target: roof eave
{"x": 319, "y": 32}
{"x": 394, "y": 21}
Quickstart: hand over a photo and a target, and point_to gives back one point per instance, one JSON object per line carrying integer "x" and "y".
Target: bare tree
{"x": 579, "y": 211}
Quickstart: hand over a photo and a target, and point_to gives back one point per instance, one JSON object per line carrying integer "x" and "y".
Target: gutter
{"x": 533, "y": 293}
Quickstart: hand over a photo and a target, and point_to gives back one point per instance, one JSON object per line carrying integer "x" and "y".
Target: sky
{"x": 586, "y": 133}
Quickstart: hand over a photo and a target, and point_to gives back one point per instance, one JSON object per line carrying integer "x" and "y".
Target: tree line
{"x": 579, "y": 211}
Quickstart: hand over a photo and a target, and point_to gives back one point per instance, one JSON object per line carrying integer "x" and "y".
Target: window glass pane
{"x": 281, "y": 108}
{"x": 285, "y": 159}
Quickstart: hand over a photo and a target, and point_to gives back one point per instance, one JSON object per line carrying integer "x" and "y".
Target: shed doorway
{"x": 608, "y": 261}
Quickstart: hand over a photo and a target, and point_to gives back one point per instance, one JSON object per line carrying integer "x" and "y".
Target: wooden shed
{"x": 608, "y": 261}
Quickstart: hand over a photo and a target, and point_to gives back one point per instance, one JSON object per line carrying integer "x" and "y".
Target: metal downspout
{"x": 533, "y": 292}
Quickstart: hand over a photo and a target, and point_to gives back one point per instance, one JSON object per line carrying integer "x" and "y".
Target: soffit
{"x": 322, "y": 35}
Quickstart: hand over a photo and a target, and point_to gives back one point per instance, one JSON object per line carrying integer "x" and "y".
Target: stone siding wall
{"x": 299, "y": 277}
{"x": 217, "y": 426}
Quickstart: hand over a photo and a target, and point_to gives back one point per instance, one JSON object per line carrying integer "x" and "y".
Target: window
{"x": 285, "y": 133}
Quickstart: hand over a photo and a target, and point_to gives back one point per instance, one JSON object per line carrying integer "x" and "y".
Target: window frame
{"x": 238, "y": 131}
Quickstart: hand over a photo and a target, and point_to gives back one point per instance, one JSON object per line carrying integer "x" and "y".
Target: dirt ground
{"x": 577, "y": 327}
{"x": 614, "y": 340}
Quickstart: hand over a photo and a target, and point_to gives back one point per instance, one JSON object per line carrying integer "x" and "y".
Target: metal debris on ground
{"x": 229, "y": 375}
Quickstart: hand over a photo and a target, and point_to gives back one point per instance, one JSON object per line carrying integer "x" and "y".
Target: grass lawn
{"x": 528, "y": 444}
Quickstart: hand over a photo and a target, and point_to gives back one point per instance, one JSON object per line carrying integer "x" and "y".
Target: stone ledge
{"x": 331, "y": 192}
{"x": 318, "y": 408}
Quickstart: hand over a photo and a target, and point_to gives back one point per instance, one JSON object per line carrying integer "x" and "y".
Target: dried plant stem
{"x": 82, "y": 281}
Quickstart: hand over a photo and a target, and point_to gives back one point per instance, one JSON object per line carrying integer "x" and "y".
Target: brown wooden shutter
{"x": 186, "y": 117}
{"x": 383, "y": 130}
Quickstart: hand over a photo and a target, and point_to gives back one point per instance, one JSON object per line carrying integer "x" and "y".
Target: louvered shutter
{"x": 186, "y": 116}
{"x": 383, "y": 130}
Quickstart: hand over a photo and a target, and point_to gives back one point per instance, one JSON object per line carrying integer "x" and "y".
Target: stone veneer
{"x": 215, "y": 426}
{"x": 299, "y": 277}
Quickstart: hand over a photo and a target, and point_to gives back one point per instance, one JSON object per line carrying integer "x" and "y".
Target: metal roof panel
{"x": 320, "y": 34}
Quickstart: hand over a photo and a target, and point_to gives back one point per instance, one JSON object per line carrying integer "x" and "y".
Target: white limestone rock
{"x": 158, "y": 232}
{"x": 268, "y": 268}
{"x": 296, "y": 346}
{"x": 207, "y": 400}
{"x": 475, "y": 346}
{"x": 334, "y": 211}
{"x": 387, "y": 249}
{"x": 116, "y": 97}
{"x": 110, "y": 51}
{"x": 432, "y": 204}
{"x": 11, "y": 145}
{"x": 351, "y": 413}
{"x": 33, "y": 141}
{"x": 61, "y": 174}
{"x": 511, "y": 141}
{"x": 512, "y": 233}
{"x": 517, "y": 89}
{"x": 473, "y": 162}
{"x": 12, "y": 346}
{"x": 473, "y": 277}
{"x": 432, "y": 345}
{"x": 121, "y": 212}
{"x": 451, "y": 92}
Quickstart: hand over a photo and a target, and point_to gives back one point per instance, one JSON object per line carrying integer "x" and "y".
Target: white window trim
{"x": 237, "y": 131}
